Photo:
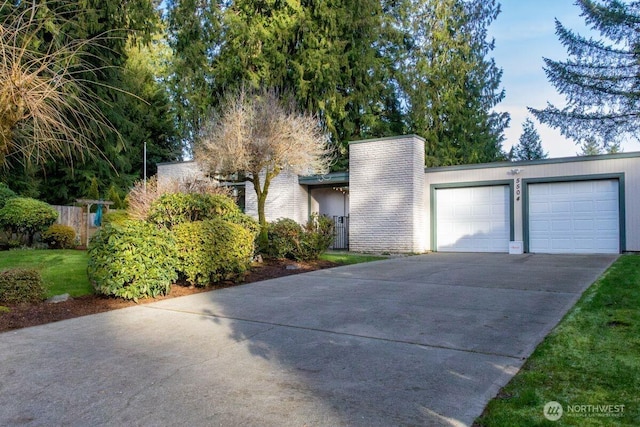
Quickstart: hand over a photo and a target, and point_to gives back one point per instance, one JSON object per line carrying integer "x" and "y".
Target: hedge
{"x": 132, "y": 260}
{"x": 212, "y": 250}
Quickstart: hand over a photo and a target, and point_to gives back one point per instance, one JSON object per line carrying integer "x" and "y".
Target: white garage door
{"x": 473, "y": 219}
{"x": 574, "y": 217}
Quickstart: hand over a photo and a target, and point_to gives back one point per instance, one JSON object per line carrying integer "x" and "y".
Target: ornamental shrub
{"x": 172, "y": 209}
{"x": 5, "y": 194}
{"x": 115, "y": 217}
{"x": 288, "y": 239}
{"x": 132, "y": 260}
{"x": 317, "y": 237}
{"x": 24, "y": 217}
{"x": 59, "y": 236}
{"x": 284, "y": 237}
{"x": 21, "y": 285}
{"x": 212, "y": 250}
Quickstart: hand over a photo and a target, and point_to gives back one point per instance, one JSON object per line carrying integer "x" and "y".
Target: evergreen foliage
{"x": 529, "y": 146}
{"x": 366, "y": 68}
{"x": 212, "y": 250}
{"x": 121, "y": 83}
{"x": 451, "y": 84}
{"x": 24, "y": 217}
{"x": 132, "y": 260}
{"x": 59, "y": 236}
{"x": 600, "y": 78}
{"x": 21, "y": 285}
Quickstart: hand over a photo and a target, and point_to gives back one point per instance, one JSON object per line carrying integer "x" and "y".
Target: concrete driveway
{"x": 422, "y": 340}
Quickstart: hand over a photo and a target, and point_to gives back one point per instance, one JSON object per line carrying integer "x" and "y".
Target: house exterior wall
{"x": 386, "y": 188}
{"x": 286, "y": 199}
{"x": 179, "y": 170}
{"x": 626, "y": 164}
{"x": 390, "y": 192}
{"x": 330, "y": 202}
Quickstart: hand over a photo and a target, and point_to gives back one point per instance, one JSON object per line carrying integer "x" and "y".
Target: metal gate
{"x": 340, "y": 232}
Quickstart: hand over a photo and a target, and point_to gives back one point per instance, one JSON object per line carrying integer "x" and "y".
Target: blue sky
{"x": 525, "y": 33}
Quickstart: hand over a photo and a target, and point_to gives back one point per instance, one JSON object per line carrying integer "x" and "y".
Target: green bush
{"x": 24, "y": 217}
{"x": 212, "y": 250}
{"x": 115, "y": 217}
{"x": 59, "y": 236}
{"x": 132, "y": 260}
{"x": 317, "y": 237}
{"x": 284, "y": 237}
{"x": 21, "y": 285}
{"x": 176, "y": 208}
{"x": 5, "y": 194}
{"x": 114, "y": 195}
{"x": 288, "y": 239}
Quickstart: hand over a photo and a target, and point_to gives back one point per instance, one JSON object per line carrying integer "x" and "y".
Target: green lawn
{"x": 591, "y": 358}
{"x": 349, "y": 258}
{"x": 63, "y": 271}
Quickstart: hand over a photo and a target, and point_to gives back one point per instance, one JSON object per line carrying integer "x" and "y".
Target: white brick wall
{"x": 386, "y": 186}
{"x": 285, "y": 199}
{"x": 181, "y": 171}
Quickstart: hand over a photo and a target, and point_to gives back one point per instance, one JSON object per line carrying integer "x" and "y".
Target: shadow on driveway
{"x": 424, "y": 340}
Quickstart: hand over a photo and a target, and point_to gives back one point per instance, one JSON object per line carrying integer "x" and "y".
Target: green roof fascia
{"x": 330, "y": 178}
{"x": 572, "y": 159}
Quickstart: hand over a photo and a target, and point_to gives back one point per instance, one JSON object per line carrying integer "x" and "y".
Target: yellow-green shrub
{"x": 176, "y": 208}
{"x": 59, "y": 236}
{"x": 115, "y": 217}
{"x": 212, "y": 250}
{"x": 132, "y": 260}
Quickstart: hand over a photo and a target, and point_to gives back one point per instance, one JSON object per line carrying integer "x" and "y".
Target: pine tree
{"x": 451, "y": 84}
{"x": 600, "y": 78}
{"x": 590, "y": 147}
{"x": 529, "y": 146}
{"x": 123, "y": 85}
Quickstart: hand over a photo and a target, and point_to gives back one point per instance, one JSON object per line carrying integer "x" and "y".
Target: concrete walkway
{"x": 423, "y": 340}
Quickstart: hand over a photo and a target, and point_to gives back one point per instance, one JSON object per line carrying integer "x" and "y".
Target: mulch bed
{"x": 24, "y": 315}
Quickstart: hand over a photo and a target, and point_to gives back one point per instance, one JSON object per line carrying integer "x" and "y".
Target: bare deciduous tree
{"x": 44, "y": 109}
{"x": 257, "y": 136}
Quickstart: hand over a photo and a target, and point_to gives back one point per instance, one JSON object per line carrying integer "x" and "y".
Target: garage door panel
{"x": 586, "y": 225}
{"x": 560, "y": 225}
{"x": 579, "y": 217}
{"x": 475, "y": 219}
{"x": 560, "y": 207}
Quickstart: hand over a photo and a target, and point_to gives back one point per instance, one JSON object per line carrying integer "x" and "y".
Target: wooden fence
{"x": 75, "y": 217}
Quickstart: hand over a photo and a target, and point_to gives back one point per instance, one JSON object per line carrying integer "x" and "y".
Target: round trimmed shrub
{"x": 172, "y": 209}
{"x": 59, "y": 236}
{"x": 24, "y": 217}
{"x": 132, "y": 260}
{"x": 212, "y": 250}
{"x": 20, "y": 285}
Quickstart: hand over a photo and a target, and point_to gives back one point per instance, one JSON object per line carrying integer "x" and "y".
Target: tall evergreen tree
{"x": 128, "y": 95}
{"x": 450, "y": 83}
{"x": 366, "y": 68}
{"x": 529, "y": 146}
{"x": 194, "y": 30}
{"x": 600, "y": 80}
